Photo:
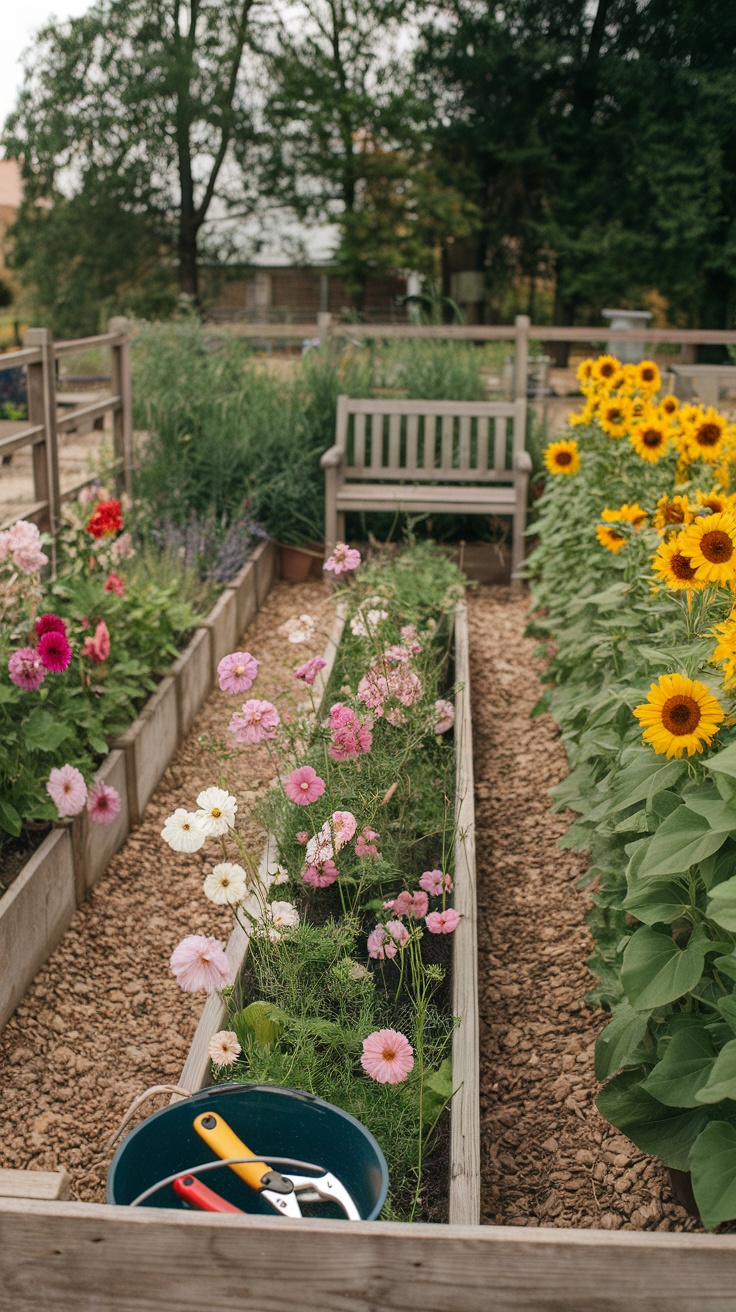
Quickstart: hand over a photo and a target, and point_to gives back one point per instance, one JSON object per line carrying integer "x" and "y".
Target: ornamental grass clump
{"x": 345, "y": 991}
{"x": 635, "y": 583}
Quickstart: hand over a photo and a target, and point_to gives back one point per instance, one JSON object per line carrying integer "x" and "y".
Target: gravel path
{"x": 549, "y": 1158}
{"x": 104, "y": 1018}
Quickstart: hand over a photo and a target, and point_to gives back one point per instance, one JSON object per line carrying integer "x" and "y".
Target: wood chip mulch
{"x": 104, "y": 1019}
{"x": 549, "y": 1159}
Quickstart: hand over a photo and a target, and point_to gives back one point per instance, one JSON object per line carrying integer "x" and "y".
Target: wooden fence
{"x": 41, "y": 431}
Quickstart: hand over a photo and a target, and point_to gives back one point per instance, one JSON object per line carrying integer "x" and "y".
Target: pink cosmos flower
{"x": 199, "y": 963}
{"x": 98, "y": 648}
{"x": 54, "y": 651}
{"x": 103, "y": 803}
{"x": 343, "y": 558}
{"x": 302, "y": 836}
{"x": 444, "y": 714}
{"x": 236, "y": 672}
{"x": 304, "y": 785}
{"x": 320, "y": 876}
{"x": 388, "y": 1056}
{"x": 49, "y": 623}
{"x": 380, "y": 944}
{"x": 442, "y": 922}
{"x": 432, "y": 881}
{"x": 398, "y": 931}
{"x": 402, "y": 904}
{"x": 344, "y": 826}
{"x": 419, "y": 905}
{"x": 364, "y": 844}
{"x": 114, "y": 583}
{"x": 310, "y": 669}
{"x": 67, "y": 790}
{"x": 257, "y": 721}
{"x": 26, "y": 669}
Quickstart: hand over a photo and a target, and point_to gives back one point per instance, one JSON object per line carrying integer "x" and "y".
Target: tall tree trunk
{"x": 188, "y": 259}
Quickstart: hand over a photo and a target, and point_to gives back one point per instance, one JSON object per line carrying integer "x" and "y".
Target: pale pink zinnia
{"x": 103, "y": 803}
{"x": 444, "y": 714}
{"x": 320, "y": 876}
{"x": 388, "y": 1056}
{"x": 98, "y": 648}
{"x": 67, "y": 790}
{"x": 442, "y": 922}
{"x": 257, "y": 721}
{"x": 344, "y": 826}
{"x": 398, "y": 931}
{"x": 304, "y": 785}
{"x": 236, "y": 672}
{"x": 199, "y": 962}
{"x": 343, "y": 558}
{"x": 54, "y": 651}
{"x": 310, "y": 669}
{"x": 26, "y": 669}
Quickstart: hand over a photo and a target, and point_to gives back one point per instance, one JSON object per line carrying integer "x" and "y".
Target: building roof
{"x": 11, "y": 187}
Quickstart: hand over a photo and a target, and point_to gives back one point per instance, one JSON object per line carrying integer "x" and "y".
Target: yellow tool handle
{"x": 224, "y": 1142}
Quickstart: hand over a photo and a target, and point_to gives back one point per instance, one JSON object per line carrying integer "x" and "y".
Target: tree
{"x": 134, "y": 111}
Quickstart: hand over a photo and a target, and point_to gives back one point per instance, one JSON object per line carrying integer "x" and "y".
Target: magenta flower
{"x": 350, "y": 736}
{"x": 257, "y": 721}
{"x": 380, "y": 944}
{"x": 67, "y": 790}
{"x": 49, "y": 623}
{"x": 103, "y": 803}
{"x": 304, "y": 785}
{"x": 444, "y": 714}
{"x": 200, "y": 963}
{"x": 442, "y": 922}
{"x": 114, "y": 583}
{"x": 26, "y": 669}
{"x": 344, "y": 826}
{"x": 398, "y": 931}
{"x": 302, "y": 836}
{"x": 320, "y": 876}
{"x": 388, "y": 1056}
{"x": 98, "y": 648}
{"x": 310, "y": 669}
{"x": 236, "y": 672}
{"x": 343, "y": 558}
{"x": 54, "y": 651}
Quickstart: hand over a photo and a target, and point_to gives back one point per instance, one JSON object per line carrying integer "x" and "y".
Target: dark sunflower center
{"x": 681, "y": 715}
{"x": 681, "y": 567}
{"x": 647, "y": 375}
{"x": 713, "y": 504}
{"x": 607, "y": 370}
{"x": 674, "y": 515}
{"x": 716, "y": 546}
{"x": 669, "y": 407}
{"x": 614, "y": 417}
{"x": 651, "y": 437}
{"x": 708, "y": 435}
{"x": 564, "y": 458}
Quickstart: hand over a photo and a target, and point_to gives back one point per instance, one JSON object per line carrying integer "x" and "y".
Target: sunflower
{"x": 604, "y": 369}
{"x": 628, "y": 513}
{"x": 705, "y": 434}
{"x": 648, "y": 377}
{"x": 576, "y": 417}
{"x": 614, "y": 416}
{"x": 716, "y": 502}
{"x": 710, "y": 545}
{"x": 562, "y": 457}
{"x": 672, "y": 511}
{"x": 679, "y": 715}
{"x": 650, "y": 438}
{"x": 584, "y": 372}
{"x": 673, "y": 568}
{"x": 630, "y": 378}
{"x": 610, "y": 537}
{"x": 669, "y": 405}
{"x": 725, "y": 649}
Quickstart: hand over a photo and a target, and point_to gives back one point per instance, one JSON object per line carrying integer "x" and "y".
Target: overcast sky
{"x": 18, "y": 24}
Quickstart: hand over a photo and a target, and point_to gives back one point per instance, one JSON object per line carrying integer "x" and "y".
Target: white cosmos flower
{"x": 224, "y": 1049}
{"x": 226, "y": 884}
{"x": 183, "y": 831}
{"x": 281, "y": 916}
{"x": 300, "y": 628}
{"x": 279, "y": 875}
{"x": 218, "y": 811}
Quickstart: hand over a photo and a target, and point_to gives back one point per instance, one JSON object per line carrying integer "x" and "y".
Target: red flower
{"x": 49, "y": 623}
{"x": 105, "y": 520}
{"x": 114, "y": 583}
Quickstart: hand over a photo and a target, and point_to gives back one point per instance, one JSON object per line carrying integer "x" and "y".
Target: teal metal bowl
{"x": 271, "y": 1121}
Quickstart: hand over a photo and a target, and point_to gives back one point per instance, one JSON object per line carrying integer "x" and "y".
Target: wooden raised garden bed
{"x": 37, "y": 909}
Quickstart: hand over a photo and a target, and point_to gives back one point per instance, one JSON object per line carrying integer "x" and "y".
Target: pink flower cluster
{"x": 435, "y": 883}
{"x": 350, "y": 735}
{"x": 29, "y": 666}
{"x": 320, "y": 869}
{"x": 385, "y": 940}
{"x": 365, "y": 844}
{"x": 257, "y": 721}
{"x": 21, "y": 543}
{"x": 114, "y": 583}
{"x": 383, "y": 682}
{"x": 310, "y": 669}
{"x": 444, "y": 714}
{"x": 409, "y": 904}
{"x": 68, "y": 792}
{"x": 237, "y": 672}
{"x": 98, "y": 648}
{"x": 343, "y": 559}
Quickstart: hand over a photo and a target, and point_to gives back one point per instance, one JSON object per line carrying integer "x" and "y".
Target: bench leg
{"x": 517, "y": 550}
{"x": 340, "y": 525}
{"x": 331, "y": 515}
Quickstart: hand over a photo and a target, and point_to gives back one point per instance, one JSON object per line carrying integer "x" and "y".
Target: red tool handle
{"x": 198, "y": 1195}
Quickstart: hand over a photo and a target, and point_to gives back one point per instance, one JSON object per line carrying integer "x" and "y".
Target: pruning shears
{"x": 278, "y": 1189}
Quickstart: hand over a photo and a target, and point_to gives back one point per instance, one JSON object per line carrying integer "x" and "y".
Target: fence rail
{"x": 39, "y": 357}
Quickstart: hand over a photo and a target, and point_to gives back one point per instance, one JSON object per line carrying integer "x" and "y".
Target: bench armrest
{"x": 332, "y": 458}
{"x": 523, "y": 462}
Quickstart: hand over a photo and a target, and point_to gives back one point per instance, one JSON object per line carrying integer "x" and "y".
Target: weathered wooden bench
{"x": 433, "y": 457}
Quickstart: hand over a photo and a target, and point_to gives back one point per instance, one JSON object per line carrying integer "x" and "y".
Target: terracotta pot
{"x": 295, "y": 563}
{"x": 318, "y": 559}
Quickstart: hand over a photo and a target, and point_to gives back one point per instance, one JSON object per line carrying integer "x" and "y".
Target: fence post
{"x": 324, "y": 327}
{"x": 521, "y": 355}
{"x": 42, "y": 410}
{"x": 122, "y": 420}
